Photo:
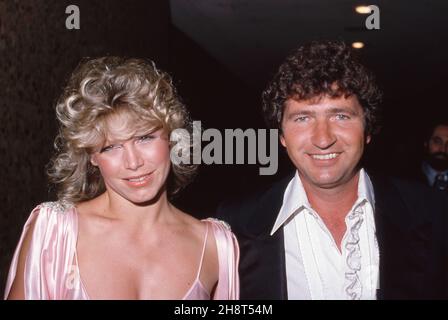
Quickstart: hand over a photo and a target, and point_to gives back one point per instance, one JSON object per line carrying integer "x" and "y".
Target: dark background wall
{"x": 219, "y": 100}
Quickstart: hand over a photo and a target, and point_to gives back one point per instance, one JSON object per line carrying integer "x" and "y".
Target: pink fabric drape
{"x": 51, "y": 270}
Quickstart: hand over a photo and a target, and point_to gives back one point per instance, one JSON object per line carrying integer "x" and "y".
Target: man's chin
{"x": 438, "y": 164}
{"x": 327, "y": 183}
{"x": 332, "y": 180}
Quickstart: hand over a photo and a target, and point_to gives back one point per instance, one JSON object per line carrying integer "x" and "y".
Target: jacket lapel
{"x": 263, "y": 252}
{"x": 401, "y": 243}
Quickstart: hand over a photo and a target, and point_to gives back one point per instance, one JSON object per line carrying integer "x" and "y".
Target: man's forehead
{"x": 441, "y": 131}
{"x": 324, "y": 102}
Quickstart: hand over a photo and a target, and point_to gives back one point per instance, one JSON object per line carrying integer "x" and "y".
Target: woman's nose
{"x": 133, "y": 159}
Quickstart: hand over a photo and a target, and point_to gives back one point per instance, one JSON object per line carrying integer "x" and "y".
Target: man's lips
{"x": 324, "y": 156}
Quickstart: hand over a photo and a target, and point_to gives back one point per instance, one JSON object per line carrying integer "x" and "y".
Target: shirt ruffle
{"x": 353, "y": 283}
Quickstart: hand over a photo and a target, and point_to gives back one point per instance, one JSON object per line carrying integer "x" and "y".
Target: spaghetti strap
{"x": 203, "y": 251}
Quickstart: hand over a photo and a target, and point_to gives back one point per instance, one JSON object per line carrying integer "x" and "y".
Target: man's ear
{"x": 282, "y": 140}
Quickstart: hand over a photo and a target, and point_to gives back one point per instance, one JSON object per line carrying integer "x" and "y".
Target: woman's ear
{"x": 93, "y": 160}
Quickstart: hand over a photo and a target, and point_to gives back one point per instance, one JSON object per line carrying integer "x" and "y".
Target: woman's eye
{"x": 105, "y": 149}
{"x": 146, "y": 137}
{"x": 108, "y": 148}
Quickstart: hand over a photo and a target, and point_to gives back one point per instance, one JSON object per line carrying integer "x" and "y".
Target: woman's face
{"x": 136, "y": 168}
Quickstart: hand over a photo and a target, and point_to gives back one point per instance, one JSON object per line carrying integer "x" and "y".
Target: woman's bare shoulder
{"x": 89, "y": 207}
{"x": 92, "y": 218}
{"x": 190, "y": 223}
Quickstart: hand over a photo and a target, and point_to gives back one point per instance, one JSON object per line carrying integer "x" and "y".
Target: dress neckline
{"x": 197, "y": 280}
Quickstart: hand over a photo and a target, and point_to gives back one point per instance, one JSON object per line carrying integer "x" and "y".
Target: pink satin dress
{"x": 51, "y": 267}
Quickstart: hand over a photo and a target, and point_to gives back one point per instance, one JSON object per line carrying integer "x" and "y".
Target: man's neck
{"x": 339, "y": 198}
{"x": 333, "y": 205}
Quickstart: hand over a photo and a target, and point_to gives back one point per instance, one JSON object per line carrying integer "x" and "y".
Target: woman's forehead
{"x": 127, "y": 123}
{"x": 125, "y": 126}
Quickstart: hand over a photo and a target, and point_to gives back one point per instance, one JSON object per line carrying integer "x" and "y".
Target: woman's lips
{"x": 139, "y": 181}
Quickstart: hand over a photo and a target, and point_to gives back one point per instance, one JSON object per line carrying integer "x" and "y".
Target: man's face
{"x": 325, "y": 139}
{"x": 437, "y": 148}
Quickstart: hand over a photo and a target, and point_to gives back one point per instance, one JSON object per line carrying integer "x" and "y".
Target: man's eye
{"x": 340, "y": 116}
{"x": 301, "y": 118}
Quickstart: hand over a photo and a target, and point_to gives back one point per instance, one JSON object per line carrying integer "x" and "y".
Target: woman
{"x": 113, "y": 234}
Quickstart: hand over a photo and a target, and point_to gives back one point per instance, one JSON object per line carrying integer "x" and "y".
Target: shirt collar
{"x": 365, "y": 188}
{"x": 295, "y": 199}
{"x": 430, "y": 173}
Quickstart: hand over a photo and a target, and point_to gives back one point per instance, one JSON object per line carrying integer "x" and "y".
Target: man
{"x": 435, "y": 164}
{"x": 330, "y": 230}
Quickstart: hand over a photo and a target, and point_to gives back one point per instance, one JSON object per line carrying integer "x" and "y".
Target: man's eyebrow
{"x": 342, "y": 110}
{"x": 301, "y": 112}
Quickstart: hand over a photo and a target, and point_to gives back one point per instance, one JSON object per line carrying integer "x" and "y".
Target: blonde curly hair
{"x": 101, "y": 88}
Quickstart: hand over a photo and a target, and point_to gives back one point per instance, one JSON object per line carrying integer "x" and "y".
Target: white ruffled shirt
{"x": 315, "y": 268}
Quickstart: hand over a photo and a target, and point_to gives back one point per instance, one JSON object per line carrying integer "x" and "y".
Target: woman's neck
{"x": 145, "y": 214}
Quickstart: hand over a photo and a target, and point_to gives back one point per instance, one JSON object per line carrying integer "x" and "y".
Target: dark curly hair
{"x": 324, "y": 68}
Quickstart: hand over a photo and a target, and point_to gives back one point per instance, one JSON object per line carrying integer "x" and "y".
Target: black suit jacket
{"x": 412, "y": 230}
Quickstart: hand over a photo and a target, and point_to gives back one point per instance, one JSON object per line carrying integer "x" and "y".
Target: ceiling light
{"x": 363, "y": 9}
{"x": 358, "y": 45}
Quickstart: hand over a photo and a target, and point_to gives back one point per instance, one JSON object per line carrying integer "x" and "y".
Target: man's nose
{"x": 323, "y": 135}
{"x": 132, "y": 158}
